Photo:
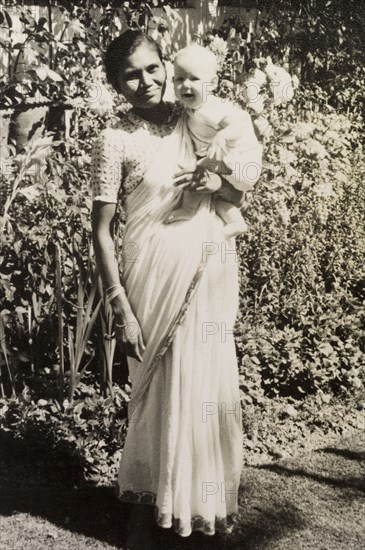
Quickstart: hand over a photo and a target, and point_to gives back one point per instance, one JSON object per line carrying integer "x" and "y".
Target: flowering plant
{"x": 220, "y": 48}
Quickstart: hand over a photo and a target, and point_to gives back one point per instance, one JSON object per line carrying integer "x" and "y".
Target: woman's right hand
{"x": 127, "y": 330}
{"x": 200, "y": 180}
{"x": 128, "y": 334}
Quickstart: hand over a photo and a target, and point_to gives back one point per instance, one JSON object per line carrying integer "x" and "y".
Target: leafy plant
{"x": 28, "y": 73}
{"x": 107, "y": 341}
{"x": 87, "y": 435}
{"x": 85, "y": 319}
{"x": 302, "y": 287}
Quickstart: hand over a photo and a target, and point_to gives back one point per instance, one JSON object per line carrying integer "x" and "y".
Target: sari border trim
{"x": 182, "y": 528}
{"x": 179, "y": 318}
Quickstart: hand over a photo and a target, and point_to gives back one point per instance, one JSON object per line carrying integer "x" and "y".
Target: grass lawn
{"x": 315, "y": 501}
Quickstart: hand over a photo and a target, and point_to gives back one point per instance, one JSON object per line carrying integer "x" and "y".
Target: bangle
{"x": 111, "y": 288}
{"x": 121, "y": 326}
{"x": 113, "y": 291}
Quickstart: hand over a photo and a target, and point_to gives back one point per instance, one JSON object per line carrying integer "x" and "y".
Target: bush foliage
{"x": 87, "y": 435}
{"x": 302, "y": 309}
{"x": 300, "y": 328}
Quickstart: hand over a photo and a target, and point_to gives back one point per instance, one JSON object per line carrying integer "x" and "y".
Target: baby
{"x": 216, "y": 128}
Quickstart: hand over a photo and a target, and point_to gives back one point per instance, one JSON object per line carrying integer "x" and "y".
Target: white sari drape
{"x": 184, "y": 442}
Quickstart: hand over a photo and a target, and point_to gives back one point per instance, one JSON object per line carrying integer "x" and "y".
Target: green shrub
{"x": 302, "y": 315}
{"x": 87, "y": 435}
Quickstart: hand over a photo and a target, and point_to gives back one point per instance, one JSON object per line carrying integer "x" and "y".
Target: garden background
{"x": 298, "y": 67}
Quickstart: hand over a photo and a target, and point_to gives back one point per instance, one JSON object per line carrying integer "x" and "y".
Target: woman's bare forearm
{"x": 102, "y": 218}
{"x": 126, "y": 329}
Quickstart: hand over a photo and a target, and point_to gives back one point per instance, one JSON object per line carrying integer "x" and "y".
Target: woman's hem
{"x": 184, "y": 529}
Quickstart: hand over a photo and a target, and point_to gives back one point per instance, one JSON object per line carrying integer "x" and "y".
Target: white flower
{"x": 330, "y": 135}
{"x": 314, "y": 149}
{"x": 286, "y": 156}
{"x": 281, "y": 83}
{"x": 324, "y": 190}
{"x": 302, "y": 130}
{"x": 219, "y": 47}
{"x": 284, "y": 214}
{"x": 341, "y": 177}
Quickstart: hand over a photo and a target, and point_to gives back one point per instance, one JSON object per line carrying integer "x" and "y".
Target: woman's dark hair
{"x": 121, "y": 48}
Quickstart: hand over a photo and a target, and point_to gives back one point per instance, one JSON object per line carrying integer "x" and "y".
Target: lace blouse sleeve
{"x": 107, "y": 165}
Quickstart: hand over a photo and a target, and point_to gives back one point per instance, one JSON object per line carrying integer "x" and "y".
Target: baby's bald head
{"x": 199, "y": 59}
{"x": 195, "y": 75}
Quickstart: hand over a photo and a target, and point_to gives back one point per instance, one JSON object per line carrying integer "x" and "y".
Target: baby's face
{"x": 193, "y": 81}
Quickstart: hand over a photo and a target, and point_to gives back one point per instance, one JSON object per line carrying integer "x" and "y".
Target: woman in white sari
{"x": 174, "y": 307}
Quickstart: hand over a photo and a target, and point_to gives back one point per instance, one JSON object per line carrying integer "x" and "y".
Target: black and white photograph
{"x": 182, "y": 275}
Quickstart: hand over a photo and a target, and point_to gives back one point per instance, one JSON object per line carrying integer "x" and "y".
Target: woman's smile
{"x": 142, "y": 79}
{"x": 150, "y": 92}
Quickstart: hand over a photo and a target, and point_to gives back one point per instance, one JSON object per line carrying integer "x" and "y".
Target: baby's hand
{"x": 218, "y": 147}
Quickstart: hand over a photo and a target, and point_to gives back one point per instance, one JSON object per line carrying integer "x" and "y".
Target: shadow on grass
{"x": 267, "y": 513}
{"x": 91, "y": 511}
{"x": 33, "y": 486}
{"x": 345, "y": 483}
{"x": 95, "y": 512}
{"x": 46, "y": 485}
{"x": 345, "y": 453}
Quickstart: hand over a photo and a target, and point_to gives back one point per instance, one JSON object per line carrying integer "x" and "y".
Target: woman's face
{"x": 142, "y": 78}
